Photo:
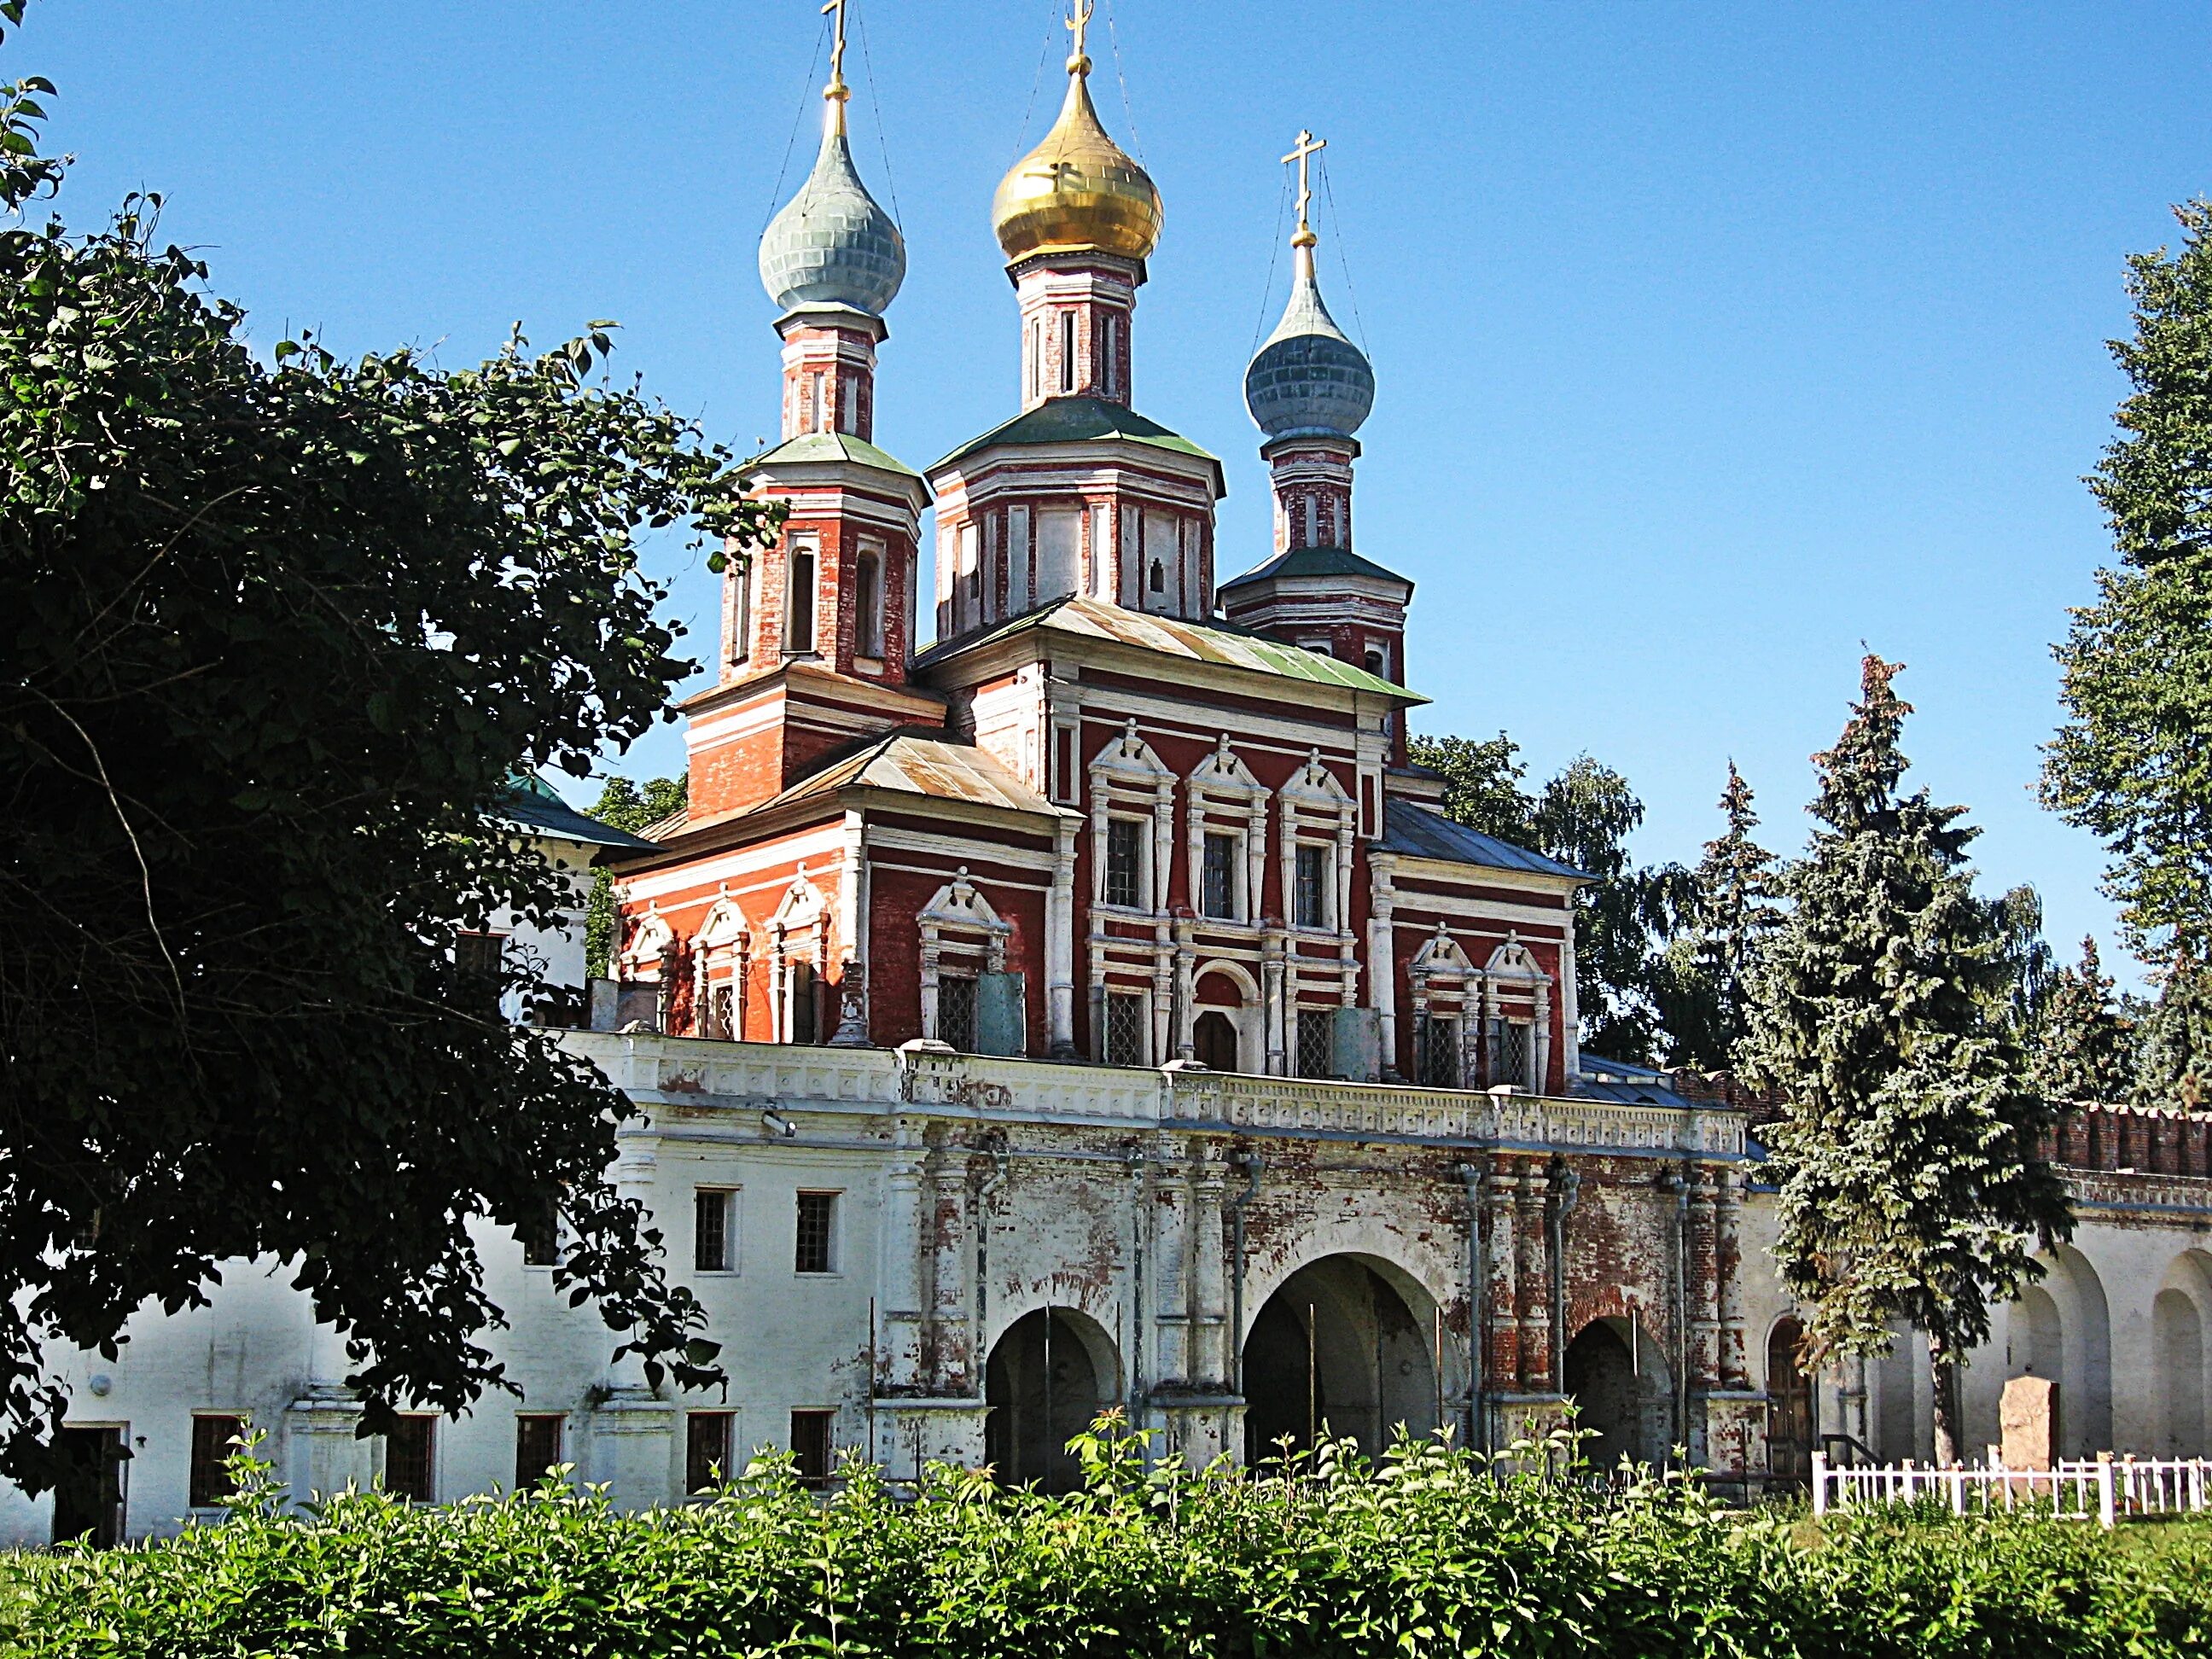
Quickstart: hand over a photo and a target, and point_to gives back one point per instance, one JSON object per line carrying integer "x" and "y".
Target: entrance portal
{"x": 1789, "y": 1405}
{"x": 1214, "y": 1038}
{"x": 1340, "y": 1348}
{"x": 89, "y": 1494}
{"x": 1618, "y": 1378}
{"x": 1049, "y": 1377}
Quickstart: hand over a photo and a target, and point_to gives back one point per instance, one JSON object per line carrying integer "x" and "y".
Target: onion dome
{"x": 1308, "y": 377}
{"x": 832, "y": 245}
{"x": 1078, "y": 192}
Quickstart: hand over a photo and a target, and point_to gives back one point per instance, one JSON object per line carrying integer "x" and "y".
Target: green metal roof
{"x": 818, "y": 447}
{"x": 1076, "y": 421}
{"x": 1082, "y": 618}
{"x": 1315, "y": 561}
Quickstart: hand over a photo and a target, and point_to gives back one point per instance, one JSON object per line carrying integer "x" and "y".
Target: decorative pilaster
{"x": 1172, "y": 1268}
{"x": 1211, "y": 1338}
{"x": 1728, "y": 1259}
{"x": 1060, "y": 944}
{"x": 898, "y": 1339}
{"x": 1535, "y": 1280}
{"x": 1703, "y": 1291}
{"x": 952, "y": 1369}
{"x": 1505, "y": 1366}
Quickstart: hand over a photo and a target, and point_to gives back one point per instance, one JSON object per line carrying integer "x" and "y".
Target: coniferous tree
{"x": 625, "y": 804}
{"x": 2084, "y": 1046}
{"x": 1910, "y": 1186}
{"x": 1729, "y": 911}
{"x": 2175, "y": 1059}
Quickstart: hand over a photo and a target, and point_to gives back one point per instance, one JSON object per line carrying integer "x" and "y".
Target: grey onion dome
{"x": 1308, "y": 377}
{"x": 832, "y": 245}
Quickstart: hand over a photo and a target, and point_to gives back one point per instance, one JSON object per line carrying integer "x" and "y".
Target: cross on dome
{"x": 1079, "y": 61}
{"x": 1303, "y": 153}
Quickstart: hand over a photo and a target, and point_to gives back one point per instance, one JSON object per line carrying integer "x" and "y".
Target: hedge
{"x": 1431, "y": 1552}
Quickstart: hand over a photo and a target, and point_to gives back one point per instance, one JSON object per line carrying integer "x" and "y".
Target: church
{"x": 1068, "y": 997}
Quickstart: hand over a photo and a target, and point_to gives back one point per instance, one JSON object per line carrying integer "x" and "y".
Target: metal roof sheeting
{"x": 1419, "y": 833}
{"x": 919, "y": 764}
{"x": 531, "y": 805}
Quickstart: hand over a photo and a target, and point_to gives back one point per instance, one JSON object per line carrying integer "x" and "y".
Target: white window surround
{"x": 1316, "y": 809}
{"x": 798, "y": 933}
{"x": 1224, "y": 786}
{"x": 721, "y": 951}
{"x": 1128, "y": 774}
{"x": 959, "y": 928}
{"x": 1515, "y": 987}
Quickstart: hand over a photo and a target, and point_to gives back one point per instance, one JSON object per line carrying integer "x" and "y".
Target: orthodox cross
{"x": 837, "y": 45}
{"x": 1076, "y": 25}
{"x": 1303, "y": 153}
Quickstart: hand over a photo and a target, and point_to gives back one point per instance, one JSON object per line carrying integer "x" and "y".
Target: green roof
{"x": 1083, "y": 618}
{"x": 1077, "y": 421}
{"x": 1315, "y": 561}
{"x": 833, "y": 446}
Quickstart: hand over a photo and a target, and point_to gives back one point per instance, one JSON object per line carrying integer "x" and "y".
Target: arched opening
{"x": 1790, "y": 1425}
{"x": 2039, "y": 1347}
{"x": 2082, "y": 1358}
{"x": 1049, "y": 1377}
{"x": 1225, "y": 1033}
{"x": 1617, "y": 1375}
{"x": 1345, "y": 1347}
{"x": 1214, "y": 1037}
{"x": 2177, "y": 1351}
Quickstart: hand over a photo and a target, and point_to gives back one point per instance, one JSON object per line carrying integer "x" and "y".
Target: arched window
{"x": 868, "y": 603}
{"x": 798, "y": 605}
{"x": 1159, "y": 577}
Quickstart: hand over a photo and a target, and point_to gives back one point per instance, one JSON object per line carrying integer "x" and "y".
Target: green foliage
{"x": 1728, "y": 912}
{"x": 2133, "y": 763}
{"x": 2084, "y": 1044}
{"x": 623, "y": 805}
{"x": 1911, "y": 1186}
{"x": 1429, "y": 1554}
{"x": 276, "y": 636}
{"x": 2173, "y": 1059}
{"x": 1482, "y": 784}
{"x": 2030, "y": 966}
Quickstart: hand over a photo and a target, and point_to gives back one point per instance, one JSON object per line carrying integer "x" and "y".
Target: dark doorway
{"x": 1043, "y": 1386}
{"x": 1618, "y": 1378}
{"x": 1788, "y": 1406}
{"x": 1215, "y": 1039}
{"x": 1337, "y": 1348}
{"x": 88, "y": 1496}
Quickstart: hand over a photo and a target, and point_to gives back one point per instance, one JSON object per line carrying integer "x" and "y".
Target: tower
{"x": 1309, "y": 389}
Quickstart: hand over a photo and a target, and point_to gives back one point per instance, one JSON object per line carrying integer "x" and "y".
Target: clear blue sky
{"x": 1713, "y": 339}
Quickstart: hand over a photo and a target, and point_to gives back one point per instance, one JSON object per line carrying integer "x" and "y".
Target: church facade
{"x": 1093, "y": 1008}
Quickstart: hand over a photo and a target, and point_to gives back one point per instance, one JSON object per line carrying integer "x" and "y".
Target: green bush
{"x": 1430, "y": 1552}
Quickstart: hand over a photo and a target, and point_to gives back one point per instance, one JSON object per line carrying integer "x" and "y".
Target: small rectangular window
{"x": 1068, "y": 351}
{"x": 536, "y": 1447}
{"x": 816, "y": 1249}
{"x": 707, "y": 1438}
{"x": 798, "y": 613}
{"x": 1437, "y": 1063}
{"x": 215, "y": 1439}
{"x": 1219, "y": 899}
{"x": 1125, "y": 862}
{"x": 956, "y": 1012}
{"x": 1316, "y": 1042}
{"x": 541, "y": 1239}
{"x": 1312, "y": 886}
{"x": 410, "y": 1458}
{"x": 1125, "y": 1028}
{"x": 712, "y": 1241}
{"x": 1509, "y": 1052}
{"x": 479, "y": 953}
{"x": 810, "y": 1437}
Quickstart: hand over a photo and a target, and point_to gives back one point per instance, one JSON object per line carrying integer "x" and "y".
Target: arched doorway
{"x": 1049, "y": 1377}
{"x": 1618, "y": 1376}
{"x": 1789, "y": 1426}
{"x": 1214, "y": 1039}
{"x": 1344, "y": 1346}
{"x": 1226, "y": 1033}
{"x": 2177, "y": 1341}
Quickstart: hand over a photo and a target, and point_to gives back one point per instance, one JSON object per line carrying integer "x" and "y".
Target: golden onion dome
{"x": 1078, "y": 192}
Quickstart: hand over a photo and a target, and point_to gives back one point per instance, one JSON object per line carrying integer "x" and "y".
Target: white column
{"x": 898, "y": 1356}
{"x": 1382, "y": 956}
{"x": 1060, "y": 944}
{"x": 1570, "y": 1008}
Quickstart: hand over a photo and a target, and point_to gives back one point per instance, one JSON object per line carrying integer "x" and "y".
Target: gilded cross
{"x": 1303, "y": 153}
{"x": 1076, "y": 26}
{"x": 836, "y": 7}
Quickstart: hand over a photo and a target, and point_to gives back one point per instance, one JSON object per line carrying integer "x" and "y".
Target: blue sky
{"x": 1713, "y": 339}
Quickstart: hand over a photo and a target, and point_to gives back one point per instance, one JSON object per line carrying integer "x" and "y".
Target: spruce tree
{"x": 1910, "y": 1186}
{"x": 1729, "y": 911}
{"x": 2083, "y": 1045}
{"x": 2175, "y": 1059}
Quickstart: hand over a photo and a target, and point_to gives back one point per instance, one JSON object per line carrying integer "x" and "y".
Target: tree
{"x": 2133, "y": 763}
{"x": 2084, "y": 1046}
{"x": 625, "y": 805}
{"x": 2174, "y": 1062}
{"x": 1911, "y": 1186}
{"x": 1728, "y": 914}
{"x": 1482, "y": 784}
{"x": 2016, "y": 920}
{"x": 276, "y": 634}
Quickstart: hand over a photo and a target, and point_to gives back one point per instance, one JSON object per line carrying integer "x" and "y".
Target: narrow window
{"x": 868, "y": 605}
{"x": 214, "y": 1444}
{"x": 1378, "y": 664}
{"x": 956, "y": 1012}
{"x": 1159, "y": 580}
{"x": 1125, "y": 868}
{"x": 541, "y": 1237}
{"x": 478, "y": 957}
{"x": 1312, "y": 886}
{"x": 1313, "y": 522}
{"x": 1068, "y": 351}
{"x": 818, "y": 1229}
{"x": 711, "y": 1233}
{"x": 1219, "y": 899}
{"x": 814, "y": 413}
{"x": 798, "y": 616}
{"x": 410, "y": 1458}
{"x": 1036, "y": 356}
{"x": 1125, "y": 1028}
{"x": 799, "y": 988}
{"x": 1316, "y": 1042}
{"x": 707, "y": 1437}
{"x": 741, "y": 614}
{"x": 810, "y": 1446}
{"x": 1437, "y": 1063}
{"x": 1108, "y": 360}
{"x": 1508, "y": 1052}
{"x": 536, "y": 1447}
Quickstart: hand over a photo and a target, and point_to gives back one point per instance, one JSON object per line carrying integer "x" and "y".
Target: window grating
{"x": 707, "y": 1437}
{"x": 815, "y": 1250}
{"x": 410, "y": 1458}
{"x": 1312, "y": 887}
{"x": 811, "y": 1433}
{"x": 1125, "y": 852}
{"x": 1439, "y": 1055}
{"x": 956, "y": 1012}
{"x": 1125, "y": 1028}
{"x": 710, "y": 1230}
{"x": 536, "y": 1447}
{"x": 1316, "y": 1042}
{"x": 1220, "y": 899}
{"x": 1508, "y": 1052}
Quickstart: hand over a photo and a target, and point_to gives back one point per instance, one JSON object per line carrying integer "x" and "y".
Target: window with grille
{"x": 214, "y": 1442}
{"x": 410, "y": 1458}
{"x": 712, "y": 1238}
{"x": 721, "y": 1008}
{"x": 541, "y": 1238}
{"x": 707, "y": 1437}
{"x": 1125, "y": 1028}
{"x": 816, "y": 1251}
{"x": 1312, "y": 883}
{"x": 1508, "y": 1052}
{"x": 478, "y": 953}
{"x": 956, "y": 1012}
{"x": 1125, "y": 862}
{"x": 810, "y": 1435}
{"x": 1220, "y": 899}
{"x": 1316, "y": 1042}
{"x": 1439, "y": 1055}
{"x": 799, "y": 988}
{"x": 536, "y": 1447}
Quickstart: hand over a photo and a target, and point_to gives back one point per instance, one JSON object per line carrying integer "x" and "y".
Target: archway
{"x": 1226, "y": 1033}
{"x": 2084, "y": 1361}
{"x": 1343, "y": 1347}
{"x": 1790, "y": 1425}
{"x": 1214, "y": 1038}
{"x": 1618, "y": 1376}
{"x": 1049, "y": 1377}
{"x": 2177, "y": 1356}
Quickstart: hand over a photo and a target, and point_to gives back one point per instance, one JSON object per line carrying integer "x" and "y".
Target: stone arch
{"x": 1050, "y": 1373}
{"x": 2062, "y": 1327}
{"x": 1617, "y": 1374}
{"x": 2181, "y": 1317}
{"x": 1342, "y": 1343}
{"x": 1791, "y": 1430}
{"x": 1244, "y": 1017}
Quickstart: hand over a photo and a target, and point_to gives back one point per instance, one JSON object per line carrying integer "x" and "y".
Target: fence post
{"x": 2105, "y": 1490}
{"x": 1819, "y": 1484}
{"x": 1958, "y": 1490}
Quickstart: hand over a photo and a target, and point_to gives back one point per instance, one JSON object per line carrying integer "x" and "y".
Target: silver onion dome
{"x": 1308, "y": 377}
{"x": 832, "y": 245}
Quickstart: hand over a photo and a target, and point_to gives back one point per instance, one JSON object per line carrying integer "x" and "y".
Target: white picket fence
{"x": 2108, "y": 1489}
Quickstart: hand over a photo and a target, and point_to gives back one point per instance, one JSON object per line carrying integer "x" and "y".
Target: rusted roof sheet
{"x": 922, "y": 763}
{"x": 1084, "y": 617}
